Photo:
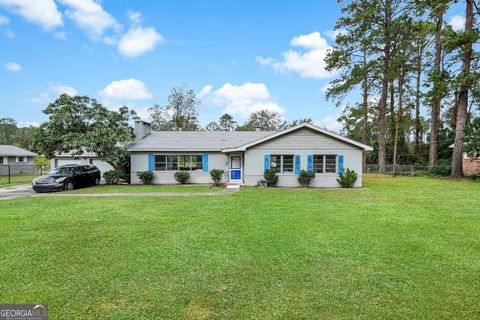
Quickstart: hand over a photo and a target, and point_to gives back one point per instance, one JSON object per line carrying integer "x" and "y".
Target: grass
{"x": 16, "y": 179}
{"x": 405, "y": 248}
{"x": 146, "y": 188}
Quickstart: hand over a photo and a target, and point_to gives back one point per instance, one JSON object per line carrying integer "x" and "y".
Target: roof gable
{"x": 295, "y": 128}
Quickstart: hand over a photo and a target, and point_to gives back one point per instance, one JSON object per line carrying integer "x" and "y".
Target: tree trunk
{"x": 365, "y": 107}
{"x": 435, "y": 113}
{"x": 418, "y": 124}
{"x": 457, "y": 170}
{"x": 391, "y": 121}
{"x": 382, "y": 107}
{"x": 399, "y": 118}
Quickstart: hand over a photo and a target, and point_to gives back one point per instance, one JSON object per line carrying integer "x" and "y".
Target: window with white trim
{"x": 325, "y": 163}
{"x": 21, "y": 159}
{"x": 178, "y": 162}
{"x": 281, "y": 163}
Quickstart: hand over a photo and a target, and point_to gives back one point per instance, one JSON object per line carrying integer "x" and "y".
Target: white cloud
{"x": 52, "y": 93}
{"x": 243, "y": 99}
{"x": 41, "y": 12}
{"x": 309, "y": 62}
{"x": 23, "y": 124}
{"x": 135, "y": 17}
{"x": 205, "y": 91}
{"x": 4, "y": 21}
{"x": 91, "y": 17}
{"x": 124, "y": 91}
{"x": 139, "y": 40}
{"x": 309, "y": 41}
{"x": 457, "y": 22}
{"x": 59, "y": 89}
{"x": 332, "y": 34}
{"x": 13, "y": 67}
{"x": 9, "y": 34}
{"x": 330, "y": 122}
{"x": 62, "y": 35}
{"x": 264, "y": 61}
{"x": 326, "y": 87}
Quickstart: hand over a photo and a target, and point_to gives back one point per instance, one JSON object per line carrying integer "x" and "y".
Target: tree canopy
{"x": 80, "y": 124}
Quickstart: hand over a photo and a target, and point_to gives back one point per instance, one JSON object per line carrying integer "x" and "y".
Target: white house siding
{"x": 100, "y": 164}
{"x": 302, "y": 142}
{"x": 16, "y": 167}
{"x": 139, "y": 162}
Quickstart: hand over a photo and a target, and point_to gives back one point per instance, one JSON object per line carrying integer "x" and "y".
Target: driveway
{"x": 19, "y": 191}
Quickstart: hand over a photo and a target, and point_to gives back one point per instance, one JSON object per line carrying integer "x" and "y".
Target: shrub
{"x": 442, "y": 168}
{"x": 111, "y": 177}
{"x": 182, "y": 176}
{"x": 347, "y": 178}
{"x": 271, "y": 177}
{"x": 305, "y": 177}
{"x": 145, "y": 176}
{"x": 216, "y": 175}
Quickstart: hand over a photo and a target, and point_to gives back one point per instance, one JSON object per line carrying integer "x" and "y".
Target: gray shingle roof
{"x": 7, "y": 150}
{"x": 195, "y": 140}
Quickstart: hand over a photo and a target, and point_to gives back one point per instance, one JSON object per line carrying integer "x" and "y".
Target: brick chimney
{"x": 142, "y": 129}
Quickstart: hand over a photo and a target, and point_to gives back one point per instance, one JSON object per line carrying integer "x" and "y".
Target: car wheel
{"x": 97, "y": 181}
{"x": 68, "y": 185}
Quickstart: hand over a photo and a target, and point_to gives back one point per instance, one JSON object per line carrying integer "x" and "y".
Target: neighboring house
{"x": 245, "y": 155}
{"x": 84, "y": 158}
{"x": 19, "y": 160}
{"x": 470, "y": 163}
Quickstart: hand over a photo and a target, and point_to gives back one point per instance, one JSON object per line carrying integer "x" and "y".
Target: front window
{"x": 281, "y": 163}
{"x": 63, "y": 170}
{"x": 178, "y": 162}
{"x": 21, "y": 159}
{"x": 324, "y": 163}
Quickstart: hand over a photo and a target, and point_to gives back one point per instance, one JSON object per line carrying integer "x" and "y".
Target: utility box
{"x": 262, "y": 183}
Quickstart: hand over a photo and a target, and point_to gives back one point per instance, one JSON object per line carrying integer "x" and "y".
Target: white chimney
{"x": 142, "y": 129}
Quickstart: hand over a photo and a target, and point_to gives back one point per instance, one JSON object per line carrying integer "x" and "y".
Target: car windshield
{"x": 62, "y": 170}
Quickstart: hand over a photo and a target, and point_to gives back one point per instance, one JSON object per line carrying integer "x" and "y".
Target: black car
{"x": 67, "y": 177}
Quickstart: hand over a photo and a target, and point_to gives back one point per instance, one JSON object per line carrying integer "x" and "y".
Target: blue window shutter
{"x": 340, "y": 163}
{"x": 266, "y": 162}
{"x": 151, "y": 161}
{"x": 310, "y": 163}
{"x": 297, "y": 164}
{"x": 205, "y": 162}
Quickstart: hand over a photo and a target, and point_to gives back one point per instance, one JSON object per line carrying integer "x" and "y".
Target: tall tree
{"x": 350, "y": 57}
{"x": 80, "y": 124}
{"x": 227, "y": 123}
{"x": 8, "y": 131}
{"x": 438, "y": 9}
{"x": 466, "y": 80}
{"x": 263, "y": 120}
{"x": 181, "y": 112}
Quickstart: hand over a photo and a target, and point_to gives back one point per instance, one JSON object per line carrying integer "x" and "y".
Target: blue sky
{"x": 239, "y": 56}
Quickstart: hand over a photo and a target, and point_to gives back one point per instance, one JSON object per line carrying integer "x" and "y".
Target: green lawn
{"x": 406, "y": 248}
{"x": 18, "y": 179}
{"x": 144, "y": 188}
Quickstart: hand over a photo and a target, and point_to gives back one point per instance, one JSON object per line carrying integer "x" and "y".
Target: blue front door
{"x": 236, "y": 168}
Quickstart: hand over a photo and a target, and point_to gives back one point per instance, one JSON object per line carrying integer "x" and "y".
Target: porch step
{"x": 233, "y": 187}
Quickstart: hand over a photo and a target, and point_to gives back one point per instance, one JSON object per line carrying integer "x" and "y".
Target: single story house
{"x": 84, "y": 158}
{"x": 244, "y": 155}
{"x": 19, "y": 160}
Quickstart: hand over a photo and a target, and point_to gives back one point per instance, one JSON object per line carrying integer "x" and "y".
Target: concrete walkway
{"x": 227, "y": 191}
{"x": 14, "y": 192}
{"x": 25, "y": 190}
